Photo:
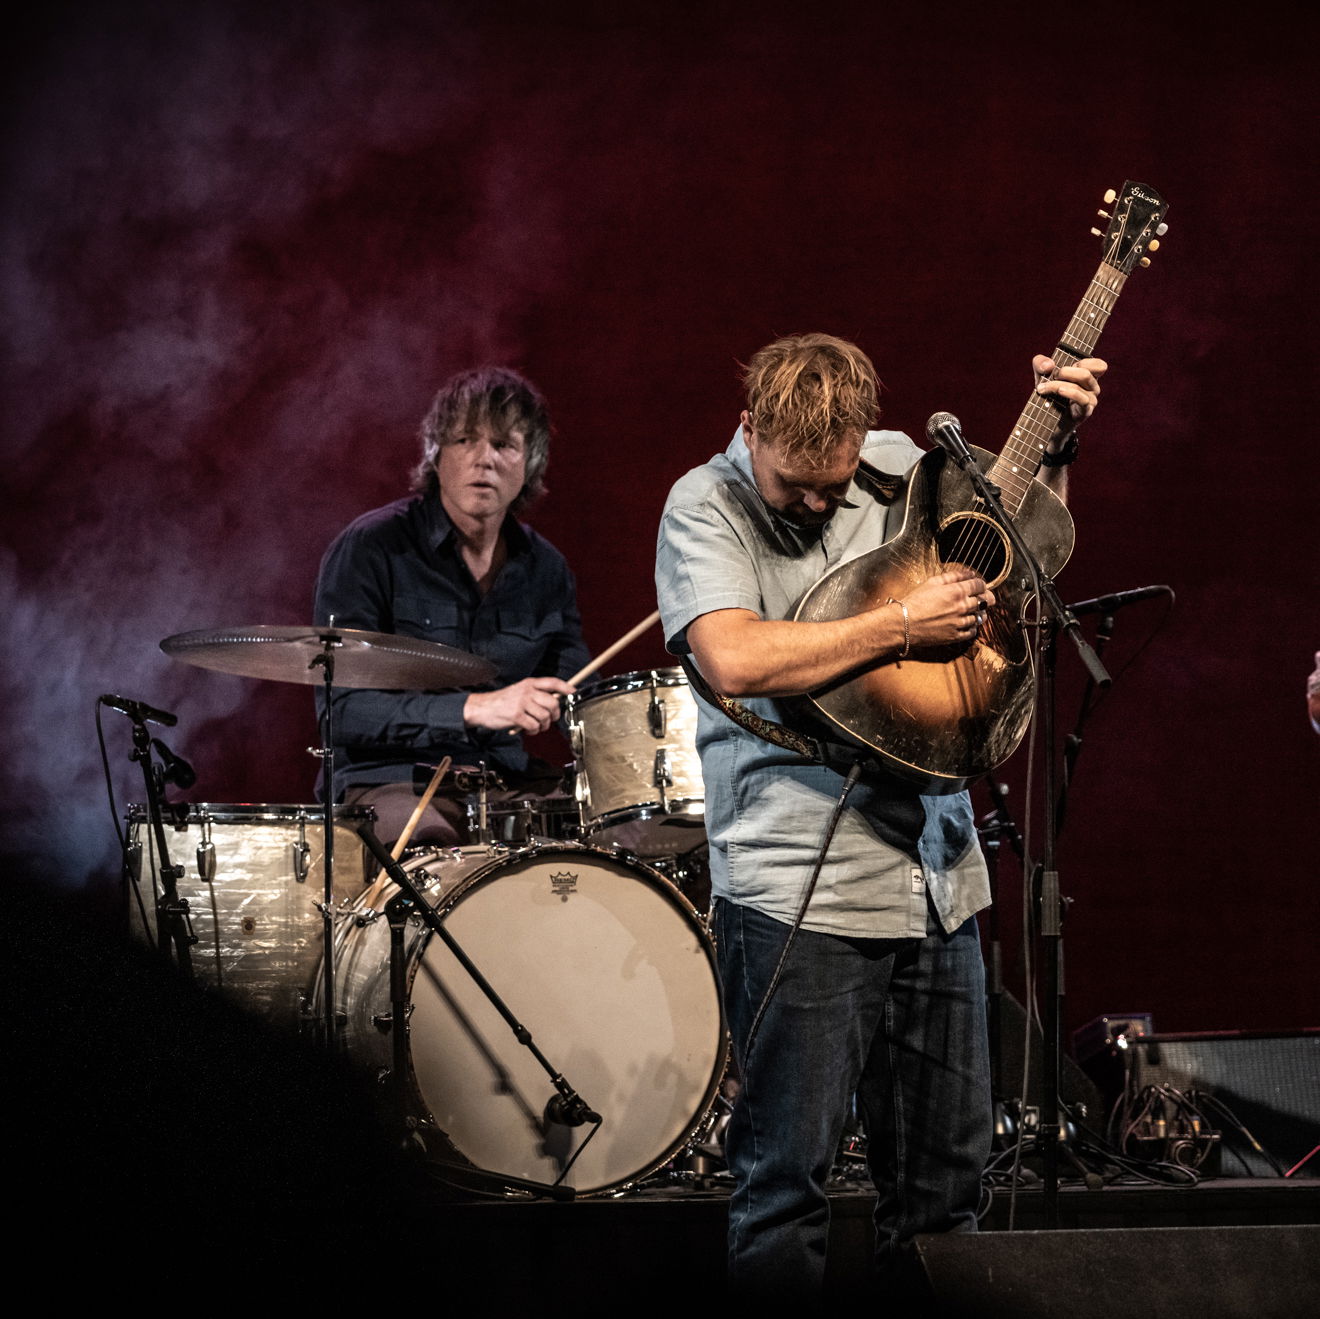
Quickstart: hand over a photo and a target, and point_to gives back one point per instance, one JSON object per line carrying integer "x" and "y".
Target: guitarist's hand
{"x": 1075, "y": 387}
{"x": 948, "y": 608}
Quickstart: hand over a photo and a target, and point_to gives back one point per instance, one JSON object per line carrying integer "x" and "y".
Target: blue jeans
{"x": 901, "y": 1024}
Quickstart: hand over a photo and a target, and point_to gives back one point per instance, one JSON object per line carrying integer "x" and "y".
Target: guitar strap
{"x": 884, "y": 487}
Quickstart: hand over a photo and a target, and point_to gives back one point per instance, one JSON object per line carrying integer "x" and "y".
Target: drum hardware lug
{"x": 657, "y": 716}
{"x": 133, "y": 859}
{"x": 662, "y": 776}
{"x": 319, "y": 752}
{"x": 206, "y": 861}
{"x": 384, "y": 1021}
{"x": 301, "y": 856}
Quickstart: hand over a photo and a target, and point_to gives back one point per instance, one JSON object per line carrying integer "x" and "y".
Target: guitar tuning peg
{"x": 1104, "y": 215}
{"x": 1153, "y": 245}
{"x": 1161, "y": 229}
{"x": 1097, "y": 232}
{"x": 1110, "y": 197}
{"x": 1145, "y": 261}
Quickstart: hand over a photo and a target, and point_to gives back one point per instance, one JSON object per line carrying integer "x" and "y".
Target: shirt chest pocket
{"x": 431, "y": 620}
{"x": 523, "y": 637}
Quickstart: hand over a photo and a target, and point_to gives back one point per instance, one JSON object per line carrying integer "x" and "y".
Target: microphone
{"x": 569, "y": 1111}
{"x": 1106, "y": 604}
{"x": 944, "y": 429}
{"x": 139, "y": 711}
{"x": 177, "y": 770}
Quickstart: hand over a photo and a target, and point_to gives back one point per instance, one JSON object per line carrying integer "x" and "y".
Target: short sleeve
{"x": 702, "y": 564}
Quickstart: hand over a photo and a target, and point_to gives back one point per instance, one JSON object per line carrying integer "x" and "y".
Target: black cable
{"x": 586, "y": 1141}
{"x": 1205, "y": 1097}
{"x": 853, "y": 775}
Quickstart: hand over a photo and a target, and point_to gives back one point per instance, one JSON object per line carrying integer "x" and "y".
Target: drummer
{"x": 451, "y": 563}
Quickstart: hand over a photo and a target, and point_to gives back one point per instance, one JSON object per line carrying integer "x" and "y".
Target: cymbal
{"x": 361, "y": 659}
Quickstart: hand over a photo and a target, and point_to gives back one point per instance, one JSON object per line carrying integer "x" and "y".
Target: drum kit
{"x": 561, "y": 1024}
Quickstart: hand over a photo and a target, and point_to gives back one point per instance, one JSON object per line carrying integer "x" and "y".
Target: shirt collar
{"x": 741, "y": 457}
{"x": 439, "y": 527}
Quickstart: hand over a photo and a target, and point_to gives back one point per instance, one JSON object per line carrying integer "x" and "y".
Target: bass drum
{"x": 603, "y": 961}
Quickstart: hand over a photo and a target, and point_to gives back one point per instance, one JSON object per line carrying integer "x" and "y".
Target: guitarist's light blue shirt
{"x": 767, "y": 808}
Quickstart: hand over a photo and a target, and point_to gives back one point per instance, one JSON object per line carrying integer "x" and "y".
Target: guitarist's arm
{"x": 1078, "y": 389}
{"x": 742, "y": 654}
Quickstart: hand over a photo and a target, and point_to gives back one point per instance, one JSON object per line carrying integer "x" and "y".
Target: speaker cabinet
{"x": 1153, "y": 1273}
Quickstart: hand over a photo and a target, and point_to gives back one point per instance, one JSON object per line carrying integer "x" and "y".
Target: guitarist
{"x": 874, "y": 985}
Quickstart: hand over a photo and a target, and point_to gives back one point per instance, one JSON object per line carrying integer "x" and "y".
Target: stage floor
{"x": 642, "y": 1242}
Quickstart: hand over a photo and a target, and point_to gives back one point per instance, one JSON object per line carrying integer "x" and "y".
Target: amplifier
{"x": 1268, "y": 1082}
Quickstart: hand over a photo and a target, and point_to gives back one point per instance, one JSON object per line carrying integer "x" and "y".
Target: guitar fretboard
{"x": 1016, "y": 467}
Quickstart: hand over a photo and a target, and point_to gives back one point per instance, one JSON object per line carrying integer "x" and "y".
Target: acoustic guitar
{"x": 945, "y": 717}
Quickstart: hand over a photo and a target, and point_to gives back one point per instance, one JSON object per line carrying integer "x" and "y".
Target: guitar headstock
{"x": 1136, "y": 225}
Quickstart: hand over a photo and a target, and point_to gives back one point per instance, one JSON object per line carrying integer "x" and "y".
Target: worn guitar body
{"x": 947, "y": 716}
{"x": 936, "y": 718}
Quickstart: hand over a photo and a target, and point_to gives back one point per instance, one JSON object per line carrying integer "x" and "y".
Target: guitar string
{"x": 978, "y": 544}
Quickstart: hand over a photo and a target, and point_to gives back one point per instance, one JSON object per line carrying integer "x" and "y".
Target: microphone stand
{"x": 173, "y": 924}
{"x": 569, "y": 1106}
{"x": 1072, "y": 744}
{"x": 994, "y": 827}
{"x": 1045, "y": 882}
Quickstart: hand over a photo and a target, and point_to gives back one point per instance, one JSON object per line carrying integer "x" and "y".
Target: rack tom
{"x": 638, "y": 780}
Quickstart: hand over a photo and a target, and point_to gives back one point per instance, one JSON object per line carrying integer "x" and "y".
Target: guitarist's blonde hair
{"x": 806, "y": 392}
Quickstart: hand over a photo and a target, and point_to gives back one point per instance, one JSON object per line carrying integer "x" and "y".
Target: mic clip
{"x": 569, "y": 1109}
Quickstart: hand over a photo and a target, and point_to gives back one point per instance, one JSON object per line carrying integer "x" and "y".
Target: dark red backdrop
{"x": 246, "y": 241}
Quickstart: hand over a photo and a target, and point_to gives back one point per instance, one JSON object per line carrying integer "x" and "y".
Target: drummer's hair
{"x": 496, "y": 397}
{"x": 806, "y": 392}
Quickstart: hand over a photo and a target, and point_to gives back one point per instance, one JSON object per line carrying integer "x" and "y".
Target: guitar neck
{"x": 1016, "y": 467}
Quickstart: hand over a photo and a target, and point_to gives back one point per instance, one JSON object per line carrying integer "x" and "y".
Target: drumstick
{"x": 440, "y": 770}
{"x": 383, "y": 881}
{"x": 608, "y": 653}
{"x": 611, "y": 651}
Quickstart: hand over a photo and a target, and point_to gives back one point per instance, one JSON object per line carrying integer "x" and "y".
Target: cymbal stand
{"x": 1045, "y": 881}
{"x": 567, "y": 1108}
{"x": 173, "y": 921}
{"x": 325, "y": 661}
{"x": 483, "y": 805}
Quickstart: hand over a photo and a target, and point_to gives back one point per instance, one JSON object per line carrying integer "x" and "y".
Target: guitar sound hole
{"x": 974, "y": 540}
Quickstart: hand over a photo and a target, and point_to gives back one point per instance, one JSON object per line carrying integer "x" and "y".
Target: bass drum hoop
{"x": 511, "y": 862}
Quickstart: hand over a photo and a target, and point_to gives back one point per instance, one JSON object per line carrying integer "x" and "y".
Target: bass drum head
{"x": 610, "y": 970}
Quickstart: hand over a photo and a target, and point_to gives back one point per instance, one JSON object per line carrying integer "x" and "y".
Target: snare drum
{"x": 600, "y": 958}
{"x": 253, "y": 876}
{"x": 525, "y": 820}
{"x": 638, "y": 777}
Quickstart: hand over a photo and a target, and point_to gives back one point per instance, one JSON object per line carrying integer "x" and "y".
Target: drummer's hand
{"x": 529, "y": 706}
{"x": 1078, "y": 386}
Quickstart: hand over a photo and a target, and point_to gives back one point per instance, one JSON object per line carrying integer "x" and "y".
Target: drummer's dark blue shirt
{"x": 398, "y": 569}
